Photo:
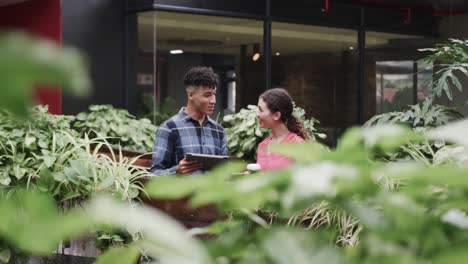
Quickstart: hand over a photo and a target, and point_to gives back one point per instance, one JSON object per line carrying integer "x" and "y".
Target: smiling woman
{"x": 275, "y": 111}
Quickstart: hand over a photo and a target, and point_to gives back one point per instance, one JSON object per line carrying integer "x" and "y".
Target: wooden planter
{"x": 178, "y": 209}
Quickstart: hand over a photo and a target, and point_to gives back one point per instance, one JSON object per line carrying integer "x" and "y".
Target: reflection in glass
{"x": 171, "y": 43}
{"x": 394, "y": 75}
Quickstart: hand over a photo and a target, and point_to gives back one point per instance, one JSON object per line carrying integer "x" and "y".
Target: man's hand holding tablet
{"x": 207, "y": 161}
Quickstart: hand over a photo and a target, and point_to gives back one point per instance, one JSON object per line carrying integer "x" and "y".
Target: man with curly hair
{"x": 191, "y": 130}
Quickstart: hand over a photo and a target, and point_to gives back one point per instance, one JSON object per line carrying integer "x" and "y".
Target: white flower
{"x": 456, "y": 217}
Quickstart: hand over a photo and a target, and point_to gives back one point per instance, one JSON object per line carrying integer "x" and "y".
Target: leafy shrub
{"x": 244, "y": 133}
{"x": 450, "y": 64}
{"x": 118, "y": 126}
{"x": 30, "y": 147}
{"x": 425, "y": 114}
{"x": 44, "y": 154}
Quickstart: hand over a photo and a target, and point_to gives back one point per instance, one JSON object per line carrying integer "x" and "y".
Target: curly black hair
{"x": 201, "y": 76}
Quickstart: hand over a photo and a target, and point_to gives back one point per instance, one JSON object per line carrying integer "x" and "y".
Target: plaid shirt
{"x": 181, "y": 134}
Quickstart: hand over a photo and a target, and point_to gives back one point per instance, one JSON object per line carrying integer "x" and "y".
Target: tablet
{"x": 208, "y": 161}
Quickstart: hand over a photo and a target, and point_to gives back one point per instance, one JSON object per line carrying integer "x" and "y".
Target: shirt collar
{"x": 185, "y": 117}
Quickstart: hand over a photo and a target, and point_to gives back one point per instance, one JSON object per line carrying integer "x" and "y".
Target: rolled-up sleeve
{"x": 163, "y": 152}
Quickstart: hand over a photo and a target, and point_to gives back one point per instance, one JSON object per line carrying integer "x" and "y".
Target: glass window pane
{"x": 171, "y": 43}
{"x": 394, "y": 76}
{"x": 256, "y": 7}
{"x": 424, "y": 80}
{"x": 394, "y": 85}
{"x": 318, "y": 66}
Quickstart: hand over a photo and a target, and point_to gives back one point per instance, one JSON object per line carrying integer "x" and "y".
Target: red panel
{"x": 42, "y": 18}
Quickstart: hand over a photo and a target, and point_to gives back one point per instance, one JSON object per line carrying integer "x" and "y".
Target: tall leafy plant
{"x": 118, "y": 126}
{"x": 451, "y": 66}
{"x": 450, "y": 62}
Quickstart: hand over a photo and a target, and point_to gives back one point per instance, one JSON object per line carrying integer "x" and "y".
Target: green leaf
{"x": 285, "y": 247}
{"x": 5, "y": 178}
{"x": 182, "y": 186}
{"x": 46, "y": 181}
{"x": 165, "y": 239}
{"x": 31, "y": 221}
{"x": 26, "y": 62}
{"x": 123, "y": 255}
{"x": 451, "y": 255}
{"x": 49, "y": 161}
{"x": 29, "y": 140}
{"x": 108, "y": 182}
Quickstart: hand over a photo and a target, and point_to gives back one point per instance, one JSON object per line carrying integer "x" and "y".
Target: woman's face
{"x": 266, "y": 118}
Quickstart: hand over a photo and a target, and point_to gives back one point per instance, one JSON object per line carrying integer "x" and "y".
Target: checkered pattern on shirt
{"x": 180, "y": 135}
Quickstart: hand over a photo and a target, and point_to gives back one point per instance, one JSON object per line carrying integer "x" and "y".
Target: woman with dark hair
{"x": 275, "y": 111}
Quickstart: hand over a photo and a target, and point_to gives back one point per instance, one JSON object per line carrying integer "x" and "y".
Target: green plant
{"x": 157, "y": 114}
{"x": 29, "y": 148}
{"x": 420, "y": 221}
{"x": 420, "y": 117}
{"x": 244, "y": 134}
{"x": 451, "y": 62}
{"x": 424, "y": 114}
{"x": 322, "y": 215}
{"x": 31, "y": 223}
{"x": 34, "y": 150}
{"x": 118, "y": 126}
{"x": 44, "y": 154}
{"x": 89, "y": 171}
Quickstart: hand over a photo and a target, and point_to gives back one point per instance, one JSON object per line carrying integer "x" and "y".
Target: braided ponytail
{"x": 296, "y": 126}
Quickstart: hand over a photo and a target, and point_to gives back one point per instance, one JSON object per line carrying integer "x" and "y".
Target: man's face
{"x": 203, "y": 98}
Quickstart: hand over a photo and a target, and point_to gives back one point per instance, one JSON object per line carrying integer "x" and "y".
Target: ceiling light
{"x": 351, "y": 48}
{"x": 277, "y": 53}
{"x": 256, "y": 52}
{"x": 176, "y": 51}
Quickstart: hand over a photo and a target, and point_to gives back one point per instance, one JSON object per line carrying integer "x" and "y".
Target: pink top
{"x": 273, "y": 161}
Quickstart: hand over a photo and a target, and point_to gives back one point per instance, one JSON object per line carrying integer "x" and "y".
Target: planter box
{"x": 143, "y": 161}
{"x": 54, "y": 259}
{"x": 188, "y": 216}
{"x": 178, "y": 209}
